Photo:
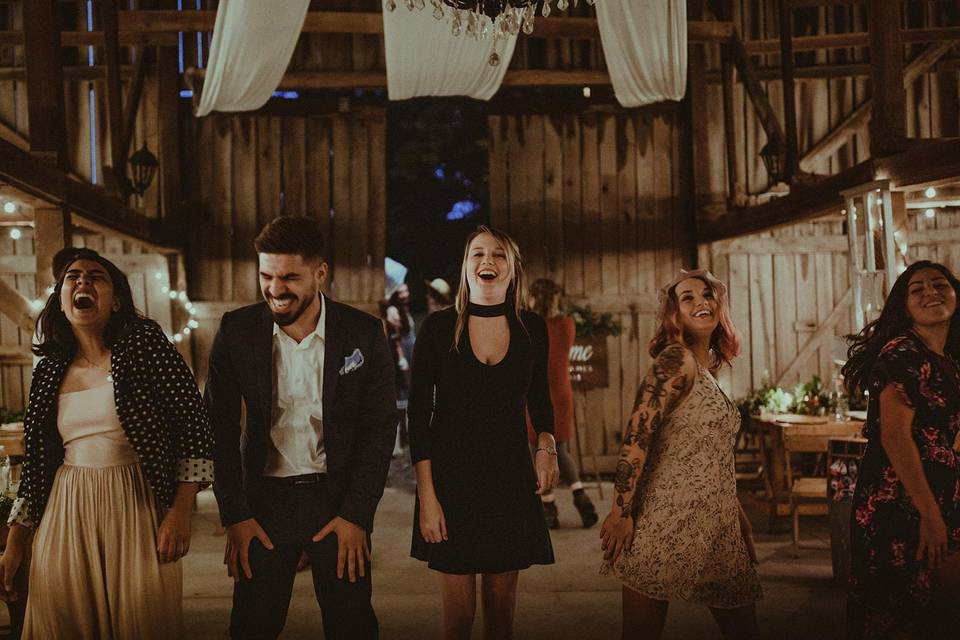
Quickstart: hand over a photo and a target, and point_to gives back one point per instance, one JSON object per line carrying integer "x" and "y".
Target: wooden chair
{"x": 803, "y": 489}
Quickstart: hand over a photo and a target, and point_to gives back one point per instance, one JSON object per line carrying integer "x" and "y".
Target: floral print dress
{"x": 890, "y": 593}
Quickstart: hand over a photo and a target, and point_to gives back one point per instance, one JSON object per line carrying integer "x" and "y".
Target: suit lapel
{"x": 263, "y": 364}
{"x": 332, "y": 354}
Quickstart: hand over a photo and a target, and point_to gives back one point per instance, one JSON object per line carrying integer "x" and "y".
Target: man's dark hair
{"x": 295, "y": 235}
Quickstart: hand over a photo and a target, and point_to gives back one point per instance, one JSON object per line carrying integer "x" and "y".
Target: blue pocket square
{"x": 352, "y": 362}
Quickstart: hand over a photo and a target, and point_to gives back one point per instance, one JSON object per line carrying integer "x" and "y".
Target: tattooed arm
{"x": 667, "y": 382}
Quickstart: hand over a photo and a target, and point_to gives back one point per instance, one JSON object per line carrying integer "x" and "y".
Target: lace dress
{"x": 688, "y": 544}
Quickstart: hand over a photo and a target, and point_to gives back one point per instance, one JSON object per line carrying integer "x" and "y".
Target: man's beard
{"x": 293, "y": 314}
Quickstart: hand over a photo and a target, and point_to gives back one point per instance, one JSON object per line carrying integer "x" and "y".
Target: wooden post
{"x": 44, "y": 66}
{"x": 889, "y": 246}
{"x": 133, "y": 102}
{"x": 888, "y": 128}
{"x": 169, "y": 112}
{"x": 698, "y": 139}
{"x": 789, "y": 101}
{"x": 111, "y": 46}
{"x": 51, "y": 232}
{"x": 855, "y": 268}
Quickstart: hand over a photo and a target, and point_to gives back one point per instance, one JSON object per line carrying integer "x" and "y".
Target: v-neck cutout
{"x": 473, "y": 352}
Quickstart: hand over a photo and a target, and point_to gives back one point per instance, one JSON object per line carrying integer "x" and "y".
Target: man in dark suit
{"x": 307, "y": 470}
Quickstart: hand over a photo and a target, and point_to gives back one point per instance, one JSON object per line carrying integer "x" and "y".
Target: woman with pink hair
{"x": 676, "y": 529}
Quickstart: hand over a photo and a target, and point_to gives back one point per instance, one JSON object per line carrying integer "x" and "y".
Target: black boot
{"x": 550, "y": 515}
{"x": 587, "y": 513}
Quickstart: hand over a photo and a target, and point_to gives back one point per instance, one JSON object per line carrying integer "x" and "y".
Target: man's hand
{"x": 239, "y": 536}
{"x": 353, "y": 549}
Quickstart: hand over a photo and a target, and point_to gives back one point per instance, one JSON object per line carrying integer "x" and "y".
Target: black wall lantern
{"x": 144, "y": 165}
{"x": 773, "y": 157}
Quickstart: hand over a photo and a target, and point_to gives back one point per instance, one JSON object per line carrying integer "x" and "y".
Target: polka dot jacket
{"x": 159, "y": 408}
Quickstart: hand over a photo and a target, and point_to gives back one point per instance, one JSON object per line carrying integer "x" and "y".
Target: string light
{"x": 181, "y": 298}
{"x": 930, "y": 213}
{"x": 930, "y": 192}
{"x": 10, "y": 206}
{"x": 16, "y": 234}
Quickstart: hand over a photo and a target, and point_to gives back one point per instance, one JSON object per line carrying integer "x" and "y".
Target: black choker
{"x": 487, "y": 310}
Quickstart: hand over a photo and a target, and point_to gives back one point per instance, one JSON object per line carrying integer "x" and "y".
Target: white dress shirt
{"x": 297, "y": 429}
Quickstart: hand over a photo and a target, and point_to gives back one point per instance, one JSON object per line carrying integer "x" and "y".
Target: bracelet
{"x": 550, "y": 450}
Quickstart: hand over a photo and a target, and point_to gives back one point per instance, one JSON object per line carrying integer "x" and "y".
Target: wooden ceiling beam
{"x": 161, "y": 27}
{"x": 860, "y": 117}
{"x": 802, "y": 203}
{"x": 44, "y": 67}
{"x": 888, "y": 123}
{"x": 111, "y": 33}
{"x": 41, "y": 179}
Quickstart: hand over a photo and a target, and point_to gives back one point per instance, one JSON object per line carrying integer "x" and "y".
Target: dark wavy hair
{"x": 892, "y": 322}
{"x": 54, "y": 332}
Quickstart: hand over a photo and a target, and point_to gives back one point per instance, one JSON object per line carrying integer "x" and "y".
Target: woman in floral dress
{"x": 905, "y": 529}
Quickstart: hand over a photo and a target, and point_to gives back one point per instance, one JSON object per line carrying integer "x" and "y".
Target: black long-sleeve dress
{"x": 467, "y": 418}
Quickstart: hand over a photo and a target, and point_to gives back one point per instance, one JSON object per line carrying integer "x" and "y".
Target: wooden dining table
{"x": 771, "y": 433}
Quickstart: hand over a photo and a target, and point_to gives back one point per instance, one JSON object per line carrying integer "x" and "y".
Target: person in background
{"x": 439, "y": 295}
{"x": 676, "y": 529}
{"x": 475, "y": 367}
{"x": 544, "y": 300}
{"x": 905, "y": 525}
{"x": 117, "y": 445}
{"x": 395, "y": 311}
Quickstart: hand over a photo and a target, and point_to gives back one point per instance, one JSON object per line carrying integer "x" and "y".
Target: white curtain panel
{"x": 645, "y": 45}
{"x": 425, "y": 59}
{"x": 252, "y": 44}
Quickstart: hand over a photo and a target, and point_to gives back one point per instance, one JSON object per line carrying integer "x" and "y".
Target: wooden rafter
{"x": 888, "y": 124}
{"x": 161, "y": 27}
{"x": 15, "y": 306}
{"x": 860, "y": 117}
{"x": 758, "y": 97}
{"x": 789, "y": 101}
{"x": 924, "y": 162}
{"x": 133, "y": 102}
{"x": 111, "y": 41}
{"x": 43, "y": 180}
{"x": 44, "y": 68}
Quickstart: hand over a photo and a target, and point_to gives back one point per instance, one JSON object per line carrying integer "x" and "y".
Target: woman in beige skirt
{"x": 117, "y": 445}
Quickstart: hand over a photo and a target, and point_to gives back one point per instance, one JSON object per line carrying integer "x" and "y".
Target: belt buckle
{"x": 309, "y": 479}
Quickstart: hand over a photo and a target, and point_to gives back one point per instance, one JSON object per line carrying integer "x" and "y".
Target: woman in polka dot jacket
{"x": 118, "y": 443}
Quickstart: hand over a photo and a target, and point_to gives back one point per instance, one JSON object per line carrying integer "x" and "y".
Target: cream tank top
{"x": 92, "y": 436}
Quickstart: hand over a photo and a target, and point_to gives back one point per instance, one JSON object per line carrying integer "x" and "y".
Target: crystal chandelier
{"x": 481, "y": 19}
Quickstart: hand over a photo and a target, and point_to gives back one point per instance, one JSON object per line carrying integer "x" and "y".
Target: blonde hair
{"x": 516, "y": 290}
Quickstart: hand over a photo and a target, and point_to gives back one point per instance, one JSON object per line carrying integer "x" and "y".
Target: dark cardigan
{"x": 158, "y": 405}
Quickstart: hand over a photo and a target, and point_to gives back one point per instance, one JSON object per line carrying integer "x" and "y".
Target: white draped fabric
{"x": 252, "y": 44}
{"x": 425, "y": 59}
{"x": 645, "y": 45}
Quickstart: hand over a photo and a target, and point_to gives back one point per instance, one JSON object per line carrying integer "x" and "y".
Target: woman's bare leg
{"x": 737, "y": 624}
{"x": 643, "y": 617}
{"x": 459, "y": 598}
{"x": 499, "y": 597}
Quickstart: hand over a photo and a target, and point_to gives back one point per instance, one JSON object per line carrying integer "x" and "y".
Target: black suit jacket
{"x": 359, "y": 409}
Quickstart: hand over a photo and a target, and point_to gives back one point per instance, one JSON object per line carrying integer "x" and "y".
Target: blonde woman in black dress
{"x": 475, "y": 367}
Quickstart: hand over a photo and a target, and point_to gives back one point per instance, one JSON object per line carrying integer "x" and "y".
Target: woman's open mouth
{"x": 487, "y": 274}
{"x": 83, "y": 301}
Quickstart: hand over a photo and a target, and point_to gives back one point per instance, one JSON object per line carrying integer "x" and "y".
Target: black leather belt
{"x": 307, "y": 478}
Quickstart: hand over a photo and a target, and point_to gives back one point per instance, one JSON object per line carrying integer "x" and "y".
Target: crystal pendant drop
{"x": 410, "y": 5}
{"x": 457, "y": 28}
{"x": 472, "y": 24}
{"x": 421, "y": 4}
{"x": 391, "y": 5}
{"x": 546, "y": 8}
{"x": 562, "y": 5}
{"x": 438, "y": 13}
{"x": 590, "y": 2}
{"x": 494, "y": 59}
{"x": 485, "y": 30}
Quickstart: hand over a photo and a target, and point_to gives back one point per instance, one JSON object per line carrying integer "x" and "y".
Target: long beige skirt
{"x": 95, "y": 572}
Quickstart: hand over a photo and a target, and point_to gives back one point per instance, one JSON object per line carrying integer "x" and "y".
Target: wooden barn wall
{"x": 18, "y": 268}
{"x": 783, "y": 286}
{"x": 822, "y": 103}
{"x": 596, "y": 202}
{"x": 936, "y": 239}
{"x": 248, "y": 169}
